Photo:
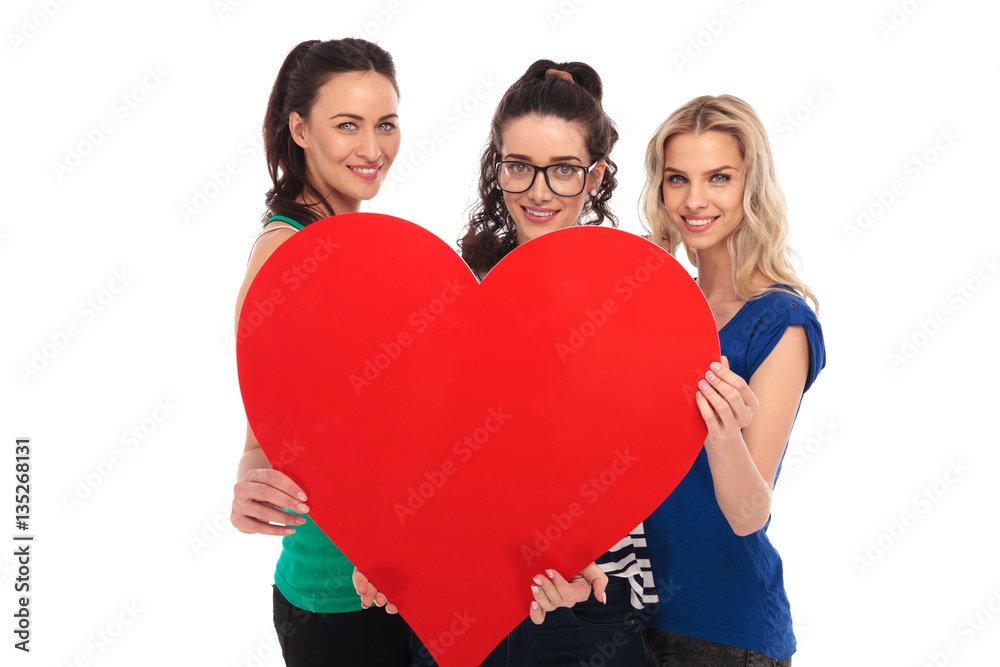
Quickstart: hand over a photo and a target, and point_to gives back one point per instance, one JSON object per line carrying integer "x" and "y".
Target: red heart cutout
{"x": 456, "y": 439}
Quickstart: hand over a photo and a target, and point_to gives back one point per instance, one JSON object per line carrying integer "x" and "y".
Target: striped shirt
{"x": 630, "y": 560}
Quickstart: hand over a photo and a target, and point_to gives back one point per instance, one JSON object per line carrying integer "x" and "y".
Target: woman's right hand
{"x": 369, "y": 594}
{"x": 262, "y": 493}
{"x": 260, "y": 497}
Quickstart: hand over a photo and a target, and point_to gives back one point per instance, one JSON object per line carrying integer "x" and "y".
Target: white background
{"x": 851, "y": 92}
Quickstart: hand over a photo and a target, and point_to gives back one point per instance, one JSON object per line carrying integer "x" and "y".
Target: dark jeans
{"x": 589, "y": 633}
{"x": 669, "y": 648}
{"x": 365, "y": 638}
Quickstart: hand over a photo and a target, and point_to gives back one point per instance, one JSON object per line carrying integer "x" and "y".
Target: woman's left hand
{"x": 726, "y": 402}
{"x": 554, "y": 591}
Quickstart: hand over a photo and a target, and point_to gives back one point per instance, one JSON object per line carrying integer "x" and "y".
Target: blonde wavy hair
{"x": 760, "y": 242}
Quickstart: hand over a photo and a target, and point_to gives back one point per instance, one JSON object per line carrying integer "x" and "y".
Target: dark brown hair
{"x": 490, "y": 234}
{"x": 307, "y": 68}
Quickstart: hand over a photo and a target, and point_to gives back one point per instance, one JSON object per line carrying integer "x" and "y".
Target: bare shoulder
{"x": 789, "y": 360}
{"x": 263, "y": 247}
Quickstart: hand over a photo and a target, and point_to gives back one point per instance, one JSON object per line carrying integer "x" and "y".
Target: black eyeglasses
{"x": 565, "y": 180}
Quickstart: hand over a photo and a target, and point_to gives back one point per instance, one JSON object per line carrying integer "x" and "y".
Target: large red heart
{"x": 456, "y": 439}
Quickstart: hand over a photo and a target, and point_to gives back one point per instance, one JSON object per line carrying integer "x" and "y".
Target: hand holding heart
{"x": 368, "y": 350}
{"x": 550, "y": 591}
{"x": 726, "y": 402}
{"x": 554, "y": 591}
{"x": 260, "y": 497}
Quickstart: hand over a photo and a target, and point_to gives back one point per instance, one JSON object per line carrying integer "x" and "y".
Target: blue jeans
{"x": 670, "y": 648}
{"x": 589, "y": 634}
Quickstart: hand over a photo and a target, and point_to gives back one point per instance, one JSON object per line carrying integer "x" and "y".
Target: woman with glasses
{"x": 711, "y": 186}
{"x": 547, "y": 166}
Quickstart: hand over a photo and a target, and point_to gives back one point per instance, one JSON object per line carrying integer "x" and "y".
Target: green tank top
{"x": 312, "y": 573}
{"x": 293, "y": 223}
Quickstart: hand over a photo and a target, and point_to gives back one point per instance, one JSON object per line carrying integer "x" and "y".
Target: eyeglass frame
{"x": 545, "y": 174}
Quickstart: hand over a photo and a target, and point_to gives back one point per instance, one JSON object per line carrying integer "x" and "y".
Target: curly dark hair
{"x": 490, "y": 233}
{"x": 307, "y": 68}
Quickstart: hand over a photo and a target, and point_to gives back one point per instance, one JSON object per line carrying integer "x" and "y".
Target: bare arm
{"x": 744, "y": 462}
{"x": 261, "y": 493}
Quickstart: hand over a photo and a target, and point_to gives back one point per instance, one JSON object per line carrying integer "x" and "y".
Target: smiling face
{"x": 703, "y": 187}
{"x": 350, "y": 138}
{"x": 542, "y": 142}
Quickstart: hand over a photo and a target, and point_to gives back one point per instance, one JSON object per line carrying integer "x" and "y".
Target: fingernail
{"x": 289, "y": 531}
{"x": 702, "y": 385}
{"x": 604, "y": 595}
{"x": 534, "y": 606}
{"x": 302, "y": 496}
{"x": 710, "y": 375}
{"x": 715, "y": 366}
{"x": 303, "y": 508}
{"x": 537, "y": 581}
{"x": 536, "y": 590}
{"x": 552, "y": 574}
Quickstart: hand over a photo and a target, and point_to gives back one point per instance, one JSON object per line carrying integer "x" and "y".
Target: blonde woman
{"x": 711, "y": 187}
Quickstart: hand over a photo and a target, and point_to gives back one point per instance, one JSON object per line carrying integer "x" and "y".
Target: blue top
{"x": 722, "y": 587}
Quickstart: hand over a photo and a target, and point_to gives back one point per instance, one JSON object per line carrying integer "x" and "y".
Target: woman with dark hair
{"x": 547, "y": 166}
{"x": 330, "y": 135}
{"x": 567, "y": 100}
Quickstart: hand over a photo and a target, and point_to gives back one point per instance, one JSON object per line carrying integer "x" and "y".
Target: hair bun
{"x": 559, "y": 74}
